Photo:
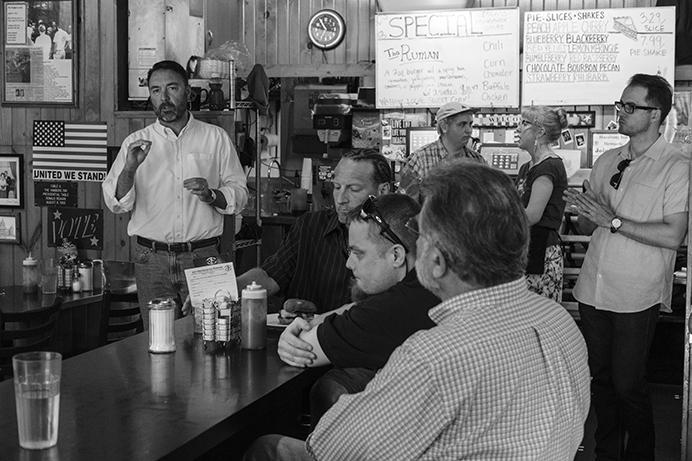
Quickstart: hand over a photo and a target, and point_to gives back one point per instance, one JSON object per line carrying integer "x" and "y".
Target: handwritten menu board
{"x": 586, "y": 57}
{"x": 425, "y": 59}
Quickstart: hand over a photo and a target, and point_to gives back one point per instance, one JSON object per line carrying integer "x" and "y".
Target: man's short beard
{"x": 357, "y": 294}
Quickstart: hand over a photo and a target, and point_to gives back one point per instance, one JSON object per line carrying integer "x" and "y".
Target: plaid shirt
{"x": 503, "y": 376}
{"x": 423, "y": 160}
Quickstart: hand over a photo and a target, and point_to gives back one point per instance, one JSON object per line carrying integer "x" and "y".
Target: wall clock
{"x": 326, "y": 29}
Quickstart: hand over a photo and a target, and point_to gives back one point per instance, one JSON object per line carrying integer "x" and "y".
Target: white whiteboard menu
{"x": 428, "y": 58}
{"x": 586, "y": 57}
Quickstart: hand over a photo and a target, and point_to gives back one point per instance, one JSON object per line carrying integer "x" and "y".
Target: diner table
{"x": 121, "y": 402}
{"x": 79, "y": 321}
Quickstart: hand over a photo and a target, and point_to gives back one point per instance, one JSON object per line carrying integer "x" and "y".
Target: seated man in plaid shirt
{"x": 502, "y": 376}
{"x": 454, "y": 124}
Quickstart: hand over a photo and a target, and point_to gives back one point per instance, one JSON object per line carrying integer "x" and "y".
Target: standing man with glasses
{"x": 635, "y": 203}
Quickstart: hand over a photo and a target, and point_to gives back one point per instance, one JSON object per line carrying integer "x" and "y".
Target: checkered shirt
{"x": 503, "y": 376}
{"x": 420, "y": 162}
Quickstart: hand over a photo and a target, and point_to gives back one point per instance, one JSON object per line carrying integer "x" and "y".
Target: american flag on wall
{"x": 69, "y": 151}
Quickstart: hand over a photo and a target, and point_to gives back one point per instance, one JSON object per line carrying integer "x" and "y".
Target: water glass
{"x": 49, "y": 281}
{"x": 49, "y": 277}
{"x": 37, "y": 395}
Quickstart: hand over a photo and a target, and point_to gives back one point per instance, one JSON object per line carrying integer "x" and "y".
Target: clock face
{"x": 326, "y": 29}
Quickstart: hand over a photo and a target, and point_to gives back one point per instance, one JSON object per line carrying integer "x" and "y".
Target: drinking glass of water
{"x": 37, "y": 395}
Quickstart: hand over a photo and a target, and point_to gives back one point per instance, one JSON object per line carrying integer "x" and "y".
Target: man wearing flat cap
{"x": 454, "y": 125}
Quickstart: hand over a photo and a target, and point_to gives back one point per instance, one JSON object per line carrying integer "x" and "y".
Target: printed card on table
{"x": 208, "y": 281}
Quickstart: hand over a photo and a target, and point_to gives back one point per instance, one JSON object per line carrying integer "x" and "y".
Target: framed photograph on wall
{"x": 40, "y": 52}
{"x": 11, "y": 181}
{"x": 9, "y": 228}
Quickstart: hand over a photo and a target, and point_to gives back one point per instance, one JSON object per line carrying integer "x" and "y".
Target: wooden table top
{"x": 13, "y": 299}
{"x": 122, "y": 402}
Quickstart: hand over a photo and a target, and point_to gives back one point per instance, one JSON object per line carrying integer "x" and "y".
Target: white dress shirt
{"x": 162, "y": 209}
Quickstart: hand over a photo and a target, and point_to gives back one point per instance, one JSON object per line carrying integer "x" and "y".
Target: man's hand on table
{"x": 293, "y": 350}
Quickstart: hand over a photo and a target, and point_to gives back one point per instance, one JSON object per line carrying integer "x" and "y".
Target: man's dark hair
{"x": 473, "y": 215}
{"x": 395, "y": 210}
{"x": 168, "y": 65}
{"x": 658, "y": 91}
{"x": 380, "y": 165}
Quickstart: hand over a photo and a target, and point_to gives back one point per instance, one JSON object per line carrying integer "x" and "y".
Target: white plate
{"x": 273, "y": 321}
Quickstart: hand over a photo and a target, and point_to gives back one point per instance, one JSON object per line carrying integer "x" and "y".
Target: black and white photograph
{"x": 11, "y": 181}
{"x": 9, "y": 229}
{"x": 40, "y": 65}
{"x": 580, "y": 140}
{"x": 566, "y": 137}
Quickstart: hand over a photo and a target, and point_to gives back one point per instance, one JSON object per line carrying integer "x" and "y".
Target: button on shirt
{"x": 162, "y": 209}
{"x": 620, "y": 274}
{"x": 503, "y": 376}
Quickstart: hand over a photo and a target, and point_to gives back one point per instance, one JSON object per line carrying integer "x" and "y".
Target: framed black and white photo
{"x": 11, "y": 181}
{"x": 40, "y": 52}
{"x": 9, "y": 228}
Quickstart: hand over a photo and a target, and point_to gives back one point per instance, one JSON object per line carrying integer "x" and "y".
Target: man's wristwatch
{"x": 615, "y": 224}
{"x": 213, "y": 196}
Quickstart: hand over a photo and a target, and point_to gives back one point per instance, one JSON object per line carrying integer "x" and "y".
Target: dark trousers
{"x": 332, "y": 385}
{"x": 618, "y": 345}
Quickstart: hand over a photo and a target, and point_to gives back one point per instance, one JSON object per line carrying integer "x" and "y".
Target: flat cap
{"x": 452, "y": 108}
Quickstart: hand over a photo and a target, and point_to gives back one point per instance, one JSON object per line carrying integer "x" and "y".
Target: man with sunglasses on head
{"x": 635, "y": 203}
{"x": 358, "y": 341}
{"x": 502, "y": 375}
{"x": 310, "y": 263}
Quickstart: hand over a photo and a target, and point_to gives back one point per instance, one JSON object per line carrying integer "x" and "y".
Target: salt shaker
{"x": 161, "y": 328}
{"x": 30, "y": 274}
{"x": 253, "y": 317}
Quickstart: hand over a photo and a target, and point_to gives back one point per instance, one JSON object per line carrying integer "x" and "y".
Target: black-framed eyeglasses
{"x": 369, "y": 211}
{"x": 629, "y": 108}
{"x": 617, "y": 177}
{"x": 524, "y": 123}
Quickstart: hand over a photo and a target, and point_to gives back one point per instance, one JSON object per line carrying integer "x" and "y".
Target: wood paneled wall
{"x": 275, "y": 34}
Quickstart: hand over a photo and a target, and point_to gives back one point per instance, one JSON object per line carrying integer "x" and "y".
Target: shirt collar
{"x": 332, "y": 225}
{"x": 498, "y": 294}
{"x": 441, "y": 148}
{"x": 165, "y": 131}
{"x": 655, "y": 151}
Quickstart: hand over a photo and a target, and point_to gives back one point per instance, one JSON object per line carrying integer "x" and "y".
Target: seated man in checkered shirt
{"x": 455, "y": 125}
{"x": 502, "y": 376}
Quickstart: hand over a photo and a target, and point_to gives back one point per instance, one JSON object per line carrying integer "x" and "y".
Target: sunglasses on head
{"x": 617, "y": 177}
{"x": 629, "y": 108}
{"x": 369, "y": 211}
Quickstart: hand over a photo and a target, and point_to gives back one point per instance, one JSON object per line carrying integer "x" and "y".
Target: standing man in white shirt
{"x": 635, "y": 203}
{"x": 178, "y": 177}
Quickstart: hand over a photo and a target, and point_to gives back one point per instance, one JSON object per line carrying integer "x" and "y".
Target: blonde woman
{"x": 541, "y": 183}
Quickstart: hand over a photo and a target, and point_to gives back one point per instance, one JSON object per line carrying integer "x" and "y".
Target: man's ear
{"x": 439, "y": 264}
{"x": 383, "y": 188}
{"x": 398, "y": 255}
